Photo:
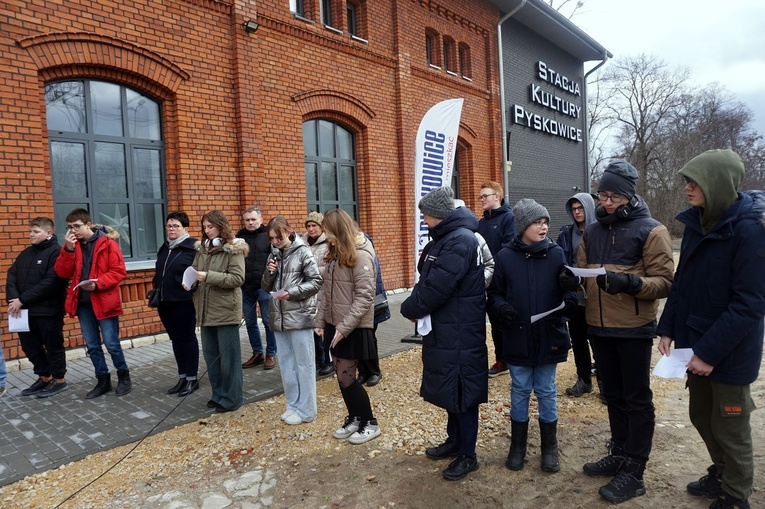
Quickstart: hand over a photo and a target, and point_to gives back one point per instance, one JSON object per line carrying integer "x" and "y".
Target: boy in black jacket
{"x": 32, "y": 284}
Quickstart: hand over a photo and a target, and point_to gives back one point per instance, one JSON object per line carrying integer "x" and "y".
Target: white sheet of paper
{"x": 587, "y": 272}
{"x": 424, "y": 326}
{"x": 279, "y": 293}
{"x": 534, "y": 318}
{"x": 674, "y": 366}
{"x": 189, "y": 276}
{"x": 84, "y": 283}
{"x": 19, "y": 323}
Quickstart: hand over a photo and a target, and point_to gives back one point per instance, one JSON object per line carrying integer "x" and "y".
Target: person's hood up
{"x": 718, "y": 174}
{"x": 588, "y": 203}
{"x": 459, "y": 218}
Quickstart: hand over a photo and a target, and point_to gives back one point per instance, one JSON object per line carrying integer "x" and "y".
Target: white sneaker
{"x": 286, "y": 414}
{"x": 366, "y": 432}
{"x": 293, "y": 419}
{"x": 347, "y": 429}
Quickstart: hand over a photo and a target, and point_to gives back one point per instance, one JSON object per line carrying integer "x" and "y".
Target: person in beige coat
{"x": 346, "y": 315}
{"x": 219, "y": 262}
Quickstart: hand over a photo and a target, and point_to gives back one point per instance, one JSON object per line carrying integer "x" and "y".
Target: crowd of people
{"x": 316, "y": 294}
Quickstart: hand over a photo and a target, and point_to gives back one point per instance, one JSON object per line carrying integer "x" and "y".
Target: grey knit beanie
{"x": 527, "y": 211}
{"x": 619, "y": 177}
{"x": 438, "y": 203}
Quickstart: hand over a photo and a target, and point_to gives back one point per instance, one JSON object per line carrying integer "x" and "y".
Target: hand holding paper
{"x": 675, "y": 365}
{"x": 86, "y": 284}
{"x": 189, "y": 277}
{"x": 586, "y": 272}
{"x": 424, "y": 326}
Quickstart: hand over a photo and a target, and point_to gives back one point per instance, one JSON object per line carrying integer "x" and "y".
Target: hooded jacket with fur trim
{"x": 218, "y": 299}
{"x": 107, "y": 266}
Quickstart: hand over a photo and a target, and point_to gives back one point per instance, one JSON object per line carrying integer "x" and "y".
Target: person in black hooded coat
{"x": 454, "y": 355}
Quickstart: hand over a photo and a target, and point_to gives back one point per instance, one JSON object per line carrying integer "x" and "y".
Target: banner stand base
{"x": 413, "y": 338}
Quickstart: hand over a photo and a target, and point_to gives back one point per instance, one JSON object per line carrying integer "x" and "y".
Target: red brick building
{"x": 135, "y": 108}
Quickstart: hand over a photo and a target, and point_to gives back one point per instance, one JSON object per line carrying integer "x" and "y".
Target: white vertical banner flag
{"x": 434, "y": 159}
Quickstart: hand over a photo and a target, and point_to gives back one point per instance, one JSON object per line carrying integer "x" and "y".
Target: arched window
{"x": 450, "y": 55}
{"x": 107, "y": 156}
{"x": 330, "y": 167}
{"x": 431, "y": 48}
{"x": 465, "y": 64}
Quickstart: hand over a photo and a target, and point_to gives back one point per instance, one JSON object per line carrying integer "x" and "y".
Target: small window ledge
{"x": 438, "y": 68}
{"x": 451, "y": 73}
{"x": 359, "y": 39}
{"x": 466, "y": 78}
{"x": 333, "y": 29}
{"x": 301, "y": 18}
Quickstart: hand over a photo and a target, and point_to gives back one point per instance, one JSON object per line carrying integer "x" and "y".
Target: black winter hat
{"x": 620, "y": 177}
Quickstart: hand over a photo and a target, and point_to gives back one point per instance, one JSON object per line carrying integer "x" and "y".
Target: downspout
{"x": 505, "y": 179}
{"x": 587, "y": 180}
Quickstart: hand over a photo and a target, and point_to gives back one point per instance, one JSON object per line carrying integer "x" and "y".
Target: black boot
{"x": 519, "y": 434}
{"x": 103, "y": 386}
{"x": 627, "y": 484}
{"x": 548, "y": 433}
{"x": 123, "y": 382}
{"x": 708, "y": 486}
{"x": 608, "y": 466}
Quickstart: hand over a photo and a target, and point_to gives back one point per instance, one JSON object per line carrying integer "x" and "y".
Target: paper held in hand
{"x": 189, "y": 277}
{"x": 278, "y": 293}
{"x": 19, "y": 323}
{"x": 587, "y": 272}
{"x": 85, "y": 282}
{"x": 539, "y": 316}
{"x": 675, "y": 365}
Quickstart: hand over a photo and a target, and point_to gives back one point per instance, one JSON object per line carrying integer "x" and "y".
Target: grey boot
{"x": 519, "y": 434}
{"x": 548, "y": 432}
{"x": 123, "y": 382}
{"x": 103, "y": 386}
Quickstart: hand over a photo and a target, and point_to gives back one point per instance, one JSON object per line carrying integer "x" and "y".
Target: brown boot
{"x": 256, "y": 359}
{"x": 270, "y": 362}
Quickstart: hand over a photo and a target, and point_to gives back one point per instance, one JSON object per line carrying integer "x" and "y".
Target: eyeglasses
{"x": 543, "y": 223}
{"x": 485, "y": 196}
{"x": 173, "y": 226}
{"x": 690, "y": 183}
{"x": 577, "y": 209}
{"x": 614, "y": 197}
{"x": 74, "y": 226}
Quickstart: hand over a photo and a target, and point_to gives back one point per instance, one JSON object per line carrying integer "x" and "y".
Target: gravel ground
{"x": 312, "y": 469}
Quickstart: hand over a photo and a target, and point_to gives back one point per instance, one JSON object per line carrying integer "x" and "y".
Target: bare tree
{"x": 600, "y": 125}
{"x": 572, "y": 5}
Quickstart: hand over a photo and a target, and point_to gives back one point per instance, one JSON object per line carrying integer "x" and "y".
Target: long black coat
{"x": 717, "y": 302}
{"x": 256, "y": 259}
{"x": 169, "y": 270}
{"x": 32, "y": 279}
{"x": 451, "y": 290}
{"x": 526, "y": 277}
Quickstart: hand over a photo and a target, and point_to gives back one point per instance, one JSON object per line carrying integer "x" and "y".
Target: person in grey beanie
{"x": 621, "y": 307}
{"x": 525, "y": 284}
{"x": 438, "y": 203}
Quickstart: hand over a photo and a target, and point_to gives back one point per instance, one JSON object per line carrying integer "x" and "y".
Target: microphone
{"x": 276, "y": 254}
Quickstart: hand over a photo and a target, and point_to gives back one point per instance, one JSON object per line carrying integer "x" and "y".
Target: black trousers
{"x": 624, "y": 365}
{"x": 44, "y": 345}
{"x": 179, "y": 319}
{"x": 580, "y": 344}
{"x": 462, "y": 429}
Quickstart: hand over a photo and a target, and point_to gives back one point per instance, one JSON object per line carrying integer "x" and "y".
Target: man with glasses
{"x": 621, "y": 307}
{"x": 716, "y": 308}
{"x": 93, "y": 259}
{"x": 497, "y": 227}
{"x": 254, "y": 233}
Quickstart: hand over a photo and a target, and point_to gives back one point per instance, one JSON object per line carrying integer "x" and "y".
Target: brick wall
{"x": 233, "y": 105}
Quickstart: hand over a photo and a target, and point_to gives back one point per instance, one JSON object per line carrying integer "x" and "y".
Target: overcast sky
{"x": 722, "y": 41}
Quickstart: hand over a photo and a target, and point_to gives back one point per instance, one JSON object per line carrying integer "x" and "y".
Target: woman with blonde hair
{"x": 293, "y": 278}
{"x": 219, "y": 262}
{"x": 346, "y": 318}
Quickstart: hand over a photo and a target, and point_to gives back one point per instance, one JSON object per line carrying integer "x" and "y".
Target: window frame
{"x": 141, "y": 249}
{"x": 432, "y": 52}
{"x": 465, "y": 61}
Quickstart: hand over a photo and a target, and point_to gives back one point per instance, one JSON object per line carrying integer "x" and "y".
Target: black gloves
{"x": 507, "y": 313}
{"x": 614, "y": 282}
{"x": 568, "y": 281}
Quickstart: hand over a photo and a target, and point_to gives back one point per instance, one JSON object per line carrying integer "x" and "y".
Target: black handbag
{"x": 153, "y": 297}
{"x": 381, "y": 304}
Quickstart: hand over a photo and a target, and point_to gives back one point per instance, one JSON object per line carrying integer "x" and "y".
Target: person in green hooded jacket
{"x": 716, "y": 307}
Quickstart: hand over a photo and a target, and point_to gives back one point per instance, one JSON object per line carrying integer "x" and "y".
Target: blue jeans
{"x": 109, "y": 331}
{"x": 296, "y": 364}
{"x": 263, "y": 299}
{"x": 223, "y": 355}
{"x": 3, "y": 370}
{"x": 542, "y": 380}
